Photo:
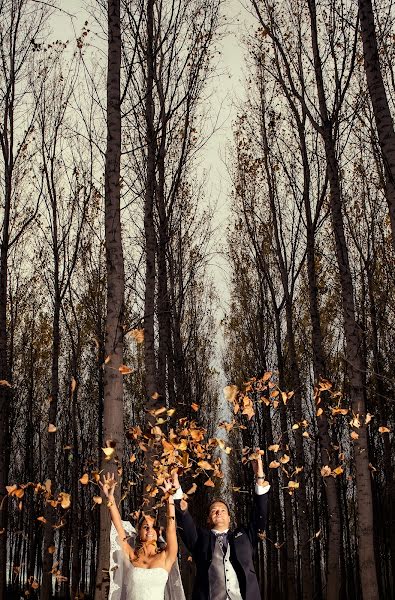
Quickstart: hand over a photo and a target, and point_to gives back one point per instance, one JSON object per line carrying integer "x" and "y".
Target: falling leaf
{"x": 319, "y": 412}
{"x": 42, "y": 519}
{"x": 109, "y": 452}
{"x": 65, "y": 500}
{"x": 73, "y": 385}
{"x": 195, "y": 406}
{"x": 368, "y": 418}
{"x": 266, "y": 376}
{"x": 274, "y": 464}
{"x": 339, "y": 470}
{"x": 295, "y": 426}
{"x": 355, "y": 422}
{"x": 51, "y": 428}
{"x": 203, "y": 464}
{"x": 171, "y": 412}
{"x": 5, "y": 383}
{"x": 209, "y": 483}
{"x": 192, "y": 489}
{"x": 35, "y": 585}
{"x": 137, "y": 335}
{"x": 384, "y": 430}
{"x": 306, "y": 434}
{"x": 107, "y": 359}
{"x": 284, "y": 459}
{"x": 274, "y": 447}
{"x": 97, "y": 499}
{"x": 132, "y": 458}
{"x": 230, "y": 392}
{"x": 326, "y": 471}
{"x": 293, "y": 485}
{"x": 354, "y": 435}
{"x": 52, "y": 549}
{"x": 84, "y": 479}
{"x": 339, "y": 411}
{"x": 125, "y": 370}
{"x": 155, "y": 396}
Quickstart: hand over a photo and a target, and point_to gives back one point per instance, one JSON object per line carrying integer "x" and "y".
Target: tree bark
{"x": 378, "y": 97}
{"x": 113, "y": 385}
{"x": 352, "y": 337}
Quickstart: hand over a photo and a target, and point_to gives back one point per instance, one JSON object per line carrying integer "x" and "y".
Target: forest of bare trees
{"x": 116, "y": 333}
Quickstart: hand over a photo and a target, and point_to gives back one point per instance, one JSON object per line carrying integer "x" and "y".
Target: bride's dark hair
{"x": 159, "y": 543}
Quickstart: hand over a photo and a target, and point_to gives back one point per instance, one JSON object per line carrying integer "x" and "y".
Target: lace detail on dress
{"x": 147, "y": 584}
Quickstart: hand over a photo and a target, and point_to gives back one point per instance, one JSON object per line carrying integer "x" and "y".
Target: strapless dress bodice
{"x": 147, "y": 584}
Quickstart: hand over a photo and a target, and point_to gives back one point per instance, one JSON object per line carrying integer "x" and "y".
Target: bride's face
{"x": 147, "y": 532}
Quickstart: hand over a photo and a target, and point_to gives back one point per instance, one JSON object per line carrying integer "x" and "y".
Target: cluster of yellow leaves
{"x": 63, "y": 499}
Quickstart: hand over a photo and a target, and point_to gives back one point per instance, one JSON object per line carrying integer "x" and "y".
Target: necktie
{"x": 223, "y": 540}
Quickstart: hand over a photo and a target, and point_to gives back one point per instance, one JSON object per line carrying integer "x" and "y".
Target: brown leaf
{"x": 230, "y": 392}
{"x": 203, "y": 464}
{"x": 65, "y": 500}
{"x": 209, "y": 483}
{"x": 51, "y": 428}
{"x": 192, "y": 489}
{"x": 383, "y": 429}
{"x": 195, "y": 406}
{"x": 125, "y": 370}
{"x": 5, "y": 383}
{"x": 97, "y": 499}
{"x": 137, "y": 335}
{"x": 274, "y": 464}
{"x": 274, "y": 447}
{"x": 84, "y": 479}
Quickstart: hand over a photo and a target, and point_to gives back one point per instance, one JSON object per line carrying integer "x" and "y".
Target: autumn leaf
{"x": 293, "y": 485}
{"x": 195, "y": 406}
{"x": 339, "y": 470}
{"x": 51, "y": 428}
{"x": 319, "y": 412}
{"x": 51, "y": 549}
{"x": 209, "y": 483}
{"x": 42, "y": 519}
{"x": 84, "y": 479}
{"x": 5, "y": 383}
{"x": 383, "y": 429}
{"x": 326, "y": 471}
{"x": 125, "y": 370}
{"x": 284, "y": 459}
{"x": 97, "y": 499}
{"x": 192, "y": 489}
{"x": 137, "y": 335}
{"x": 368, "y": 418}
{"x": 274, "y": 464}
{"x": 203, "y": 464}
{"x": 109, "y": 452}
{"x": 65, "y": 500}
{"x": 354, "y": 435}
{"x": 274, "y": 447}
{"x": 230, "y": 392}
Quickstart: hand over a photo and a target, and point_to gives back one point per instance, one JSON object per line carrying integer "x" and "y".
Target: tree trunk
{"x": 378, "y": 97}
{"x": 352, "y": 337}
{"x": 113, "y": 385}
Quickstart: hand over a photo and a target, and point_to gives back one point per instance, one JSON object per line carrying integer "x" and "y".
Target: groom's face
{"x": 218, "y": 516}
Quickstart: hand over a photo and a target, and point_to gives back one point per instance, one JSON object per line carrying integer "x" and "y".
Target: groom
{"x": 224, "y": 557}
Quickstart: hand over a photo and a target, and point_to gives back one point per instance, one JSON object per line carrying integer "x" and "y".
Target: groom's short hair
{"x": 215, "y": 500}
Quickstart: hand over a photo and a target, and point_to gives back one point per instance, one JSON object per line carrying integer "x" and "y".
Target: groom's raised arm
{"x": 185, "y": 523}
{"x": 259, "y": 514}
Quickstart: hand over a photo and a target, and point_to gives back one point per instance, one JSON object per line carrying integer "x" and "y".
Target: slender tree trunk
{"x": 149, "y": 225}
{"x": 46, "y": 587}
{"x": 113, "y": 385}
{"x": 378, "y": 97}
{"x": 5, "y": 392}
{"x": 326, "y": 450}
{"x": 352, "y": 336}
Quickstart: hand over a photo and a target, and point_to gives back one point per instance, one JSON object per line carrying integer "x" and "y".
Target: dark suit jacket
{"x": 243, "y": 541}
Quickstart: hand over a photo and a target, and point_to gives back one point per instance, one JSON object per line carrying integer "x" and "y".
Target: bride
{"x": 144, "y": 575}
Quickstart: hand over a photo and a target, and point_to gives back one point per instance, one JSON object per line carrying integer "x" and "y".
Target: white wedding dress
{"x": 128, "y": 582}
{"x": 147, "y": 584}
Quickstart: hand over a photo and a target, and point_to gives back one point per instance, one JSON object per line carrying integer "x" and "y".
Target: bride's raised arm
{"x": 171, "y": 535}
{"x": 108, "y": 487}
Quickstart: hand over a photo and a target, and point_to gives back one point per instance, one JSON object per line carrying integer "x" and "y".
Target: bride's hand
{"x": 108, "y": 485}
